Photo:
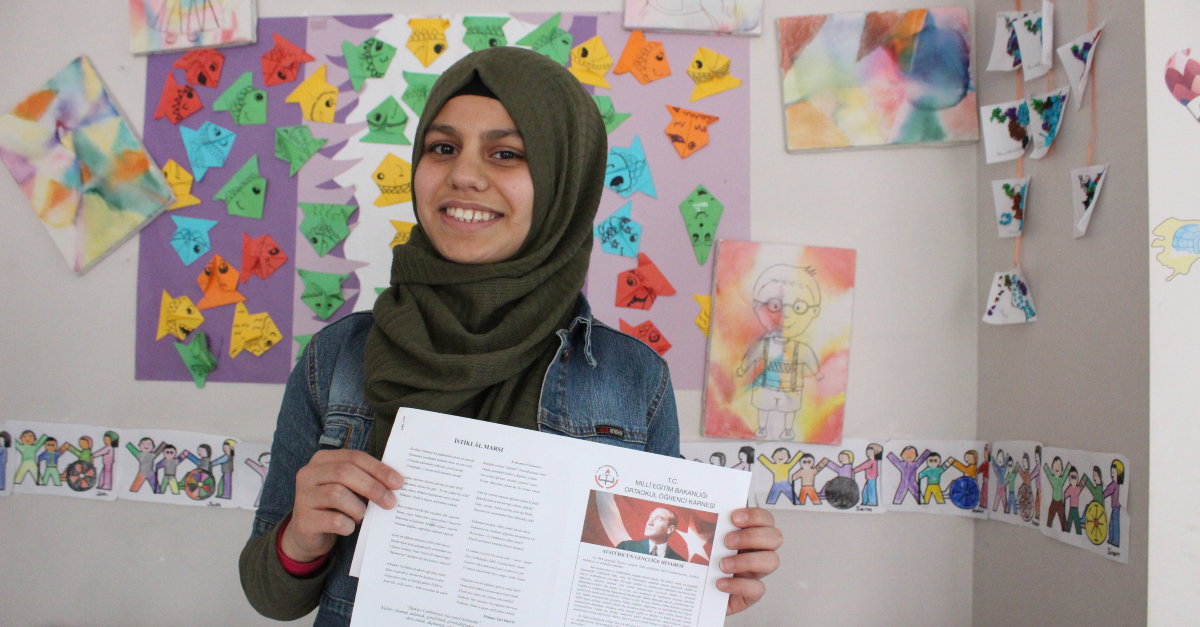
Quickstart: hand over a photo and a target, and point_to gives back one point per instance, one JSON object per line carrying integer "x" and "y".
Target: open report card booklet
{"x": 503, "y": 526}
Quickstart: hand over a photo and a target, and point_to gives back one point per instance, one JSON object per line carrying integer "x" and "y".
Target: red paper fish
{"x": 281, "y": 64}
{"x": 177, "y": 101}
{"x": 647, "y": 333}
{"x": 637, "y": 288}
{"x": 261, "y": 256}
{"x": 219, "y": 282}
{"x": 203, "y": 67}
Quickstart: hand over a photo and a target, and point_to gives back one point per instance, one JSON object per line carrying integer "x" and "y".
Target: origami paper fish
{"x": 386, "y": 124}
{"x": 647, "y": 333}
{"x": 303, "y": 341}
{"x": 191, "y": 238}
{"x": 252, "y": 332}
{"x": 261, "y": 256}
{"x": 177, "y": 101}
{"x": 1045, "y": 118}
{"x": 177, "y": 316}
{"x": 627, "y": 171}
{"x": 207, "y": 147}
{"x": 608, "y": 112}
{"x": 180, "y": 181}
{"x": 246, "y": 192}
{"x": 202, "y": 66}
{"x": 325, "y": 226}
{"x": 403, "y": 232}
{"x": 688, "y": 130}
{"x": 316, "y": 97}
{"x": 246, "y": 103}
{"x": 1077, "y": 57}
{"x": 322, "y": 292}
{"x": 1009, "y": 197}
{"x": 1010, "y": 300}
{"x": 484, "y": 32}
{"x": 370, "y": 59}
{"x": 428, "y": 39}
{"x": 590, "y": 61}
{"x": 1086, "y": 184}
{"x": 281, "y": 64}
{"x": 417, "y": 89}
{"x": 394, "y": 178}
{"x": 198, "y": 359}
{"x": 710, "y": 71}
{"x": 296, "y": 145}
{"x": 1181, "y": 76}
{"x": 219, "y": 282}
{"x": 646, "y": 60}
{"x": 550, "y": 40}
{"x": 701, "y": 214}
{"x": 619, "y": 234}
{"x": 639, "y": 287}
{"x": 705, "y": 315}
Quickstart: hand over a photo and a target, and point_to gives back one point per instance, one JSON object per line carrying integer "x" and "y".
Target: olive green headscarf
{"x": 476, "y": 340}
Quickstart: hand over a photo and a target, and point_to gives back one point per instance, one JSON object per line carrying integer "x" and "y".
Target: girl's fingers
{"x": 754, "y": 538}
{"x": 357, "y": 480}
{"x": 742, "y": 592}
{"x": 337, "y": 497}
{"x": 753, "y": 517}
{"x": 755, "y": 564}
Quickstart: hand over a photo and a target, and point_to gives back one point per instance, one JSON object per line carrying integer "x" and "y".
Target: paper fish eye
{"x": 707, "y": 238}
{"x": 438, "y": 48}
{"x": 659, "y": 57}
{"x": 378, "y": 46}
{"x": 207, "y": 272}
{"x": 654, "y": 337}
{"x": 281, "y": 75}
{"x": 699, "y": 64}
{"x": 329, "y": 102}
{"x": 583, "y": 52}
{"x": 273, "y": 252}
{"x": 223, "y": 268}
{"x": 258, "y": 97}
{"x": 493, "y": 42}
{"x": 617, "y": 181}
{"x": 196, "y": 249}
{"x": 695, "y": 238}
{"x": 256, "y": 190}
{"x": 188, "y": 311}
{"x": 379, "y": 176}
{"x": 633, "y": 238}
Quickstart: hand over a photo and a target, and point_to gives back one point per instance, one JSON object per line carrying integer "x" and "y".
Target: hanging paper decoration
{"x": 627, "y": 171}
{"x": 386, "y": 123}
{"x": 244, "y": 102}
{"x": 325, "y": 225}
{"x": 1077, "y": 57}
{"x": 550, "y": 40}
{"x": 638, "y": 288}
{"x": 370, "y": 59}
{"x": 1183, "y": 80}
{"x": 688, "y": 130}
{"x": 322, "y": 292}
{"x": 1005, "y": 130}
{"x": 1009, "y": 196}
{"x": 1086, "y": 184}
{"x": 646, "y": 60}
{"x": 180, "y": 181}
{"x": 590, "y": 61}
{"x": 394, "y": 178}
{"x": 484, "y": 32}
{"x": 1045, "y": 118}
{"x": 198, "y": 359}
{"x": 252, "y": 332}
{"x": 701, "y": 215}
{"x": 609, "y": 114}
{"x": 296, "y": 145}
{"x": 219, "y": 282}
{"x": 416, "y": 91}
{"x": 710, "y": 71}
{"x": 1009, "y": 301}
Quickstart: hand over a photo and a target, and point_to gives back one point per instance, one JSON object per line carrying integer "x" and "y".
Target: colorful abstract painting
{"x": 779, "y": 342}
{"x": 80, "y": 165}
{"x": 166, "y": 25}
{"x": 734, "y": 17}
{"x": 854, "y": 80}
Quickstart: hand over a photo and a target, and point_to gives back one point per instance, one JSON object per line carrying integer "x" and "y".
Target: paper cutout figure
{"x": 550, "y": 40}
{"x": 1077, "y": 57}
{"x": 484, "y": 32}
{"x": 1006, "y": 52}
{"x": 261, "y": 256}
{"x": 281, "y": 64}
{"x": 646, "y": 60}
{"x": 207, "y": 147}
{"x": 705, "y": 315}
{"x": 1180, "y": 244}
{"x": 245, "y": 103}
{"x": 219, "y": 282}
{"x": 191, "y": 238}
{"x": 177, "y": 101}
{"x": 177, "y": 316}
{"x": 688, "y": 130}
{"x": 710, "y": 71}
{"x": 303, "y": 341}
{"x": 403, "y": 232}
{"x": 1009, "y": 196}
{"x": 1086, "y": 184}
{"x": 609, "y": 114}
{"x": 386, "y": 124}
{"x": 322, "y": 292}
{"x": 325, "y": 225}
{"x": 1045, "y": 118}
{"x": 394, "y": 178}
{"x": 701, "y": 215}
{"x": 180, "y": 181}
{"x": 638, "y": 288}
{"x": 627, "y": 171}
{"x": 428, "y": 39}
{"x": 246, "y": 192}
{"x": 370, "y": 59}
{"x": 648, "y": 333}
{"x": 296, "y": 145}
{"x": 252, "y": 332}
{"x": 1005, "y": 130}
{"x": 198, "y": 359}
{"x": 316, "y": 97}
{"x": 416, "y": 90}
{"x": 590, "y": 61}
{"x": 1035, "y": 39}
{"x": 1009, "y": 301}
{"x": 1182, "y": 77}
{"x": 619, "y": 234}
{"x": 202, "y": 67}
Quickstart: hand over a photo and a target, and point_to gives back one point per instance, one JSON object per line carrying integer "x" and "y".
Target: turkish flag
{"x": 612, "y": 519}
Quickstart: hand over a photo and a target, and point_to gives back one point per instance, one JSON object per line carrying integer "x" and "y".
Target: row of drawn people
{"x": 929, "y": 469}
{"x": 794, "y": 477}
{"x": 1068, "y": 484}
{"x": 43, "y": 463}
{"x": 1018, "y": 492}
{"x": 198, "y": 484}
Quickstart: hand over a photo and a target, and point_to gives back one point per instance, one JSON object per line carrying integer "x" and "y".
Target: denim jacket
{"x": 602, "y": 386}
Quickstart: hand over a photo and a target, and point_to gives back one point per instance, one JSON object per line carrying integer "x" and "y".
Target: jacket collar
{"x": 582, "y": 326}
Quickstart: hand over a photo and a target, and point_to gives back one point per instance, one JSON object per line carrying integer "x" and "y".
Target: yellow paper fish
{"x": 316, "y": 97}
{"x": 403, "y": 232}
{"x": 394, "y": 178}
{"x": 428, "y": 39}
{"x": 180, "y": 181}
{"x": 705, "y": 312}
{"x": 590, "y": 61}
{"x": 253, "y": 332}
{"x": 710, "y": 71}
{"x": 177, "y": 316}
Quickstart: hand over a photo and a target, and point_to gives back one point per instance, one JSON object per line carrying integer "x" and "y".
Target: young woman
{"x": 484, "y": 319}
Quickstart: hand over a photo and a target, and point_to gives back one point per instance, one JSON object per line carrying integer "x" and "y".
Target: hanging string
{"x": 1020, "y": 161}
{"x": 1092, "y": 86}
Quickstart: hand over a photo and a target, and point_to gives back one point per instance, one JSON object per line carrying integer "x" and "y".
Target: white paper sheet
{"x": 1086, "y": 184}
{"x": 934, "y": 477}
{"x": 184, "y": 468}
{"x": 1004, "y": 57}
{"x": 1005, "y": 130}
{"x": 60, "y": 459}
{"x": 1010, "y": 196}
{"x": 1077, "y": 57}
{"x": 1099, "y": 525}
{"x": 1046, "y": 113}
{"x": 1010, "y": 300}
{"x": 846, "y": 478}
{"x": 1035, "y": 38}
{"x": 1016, "y": 469}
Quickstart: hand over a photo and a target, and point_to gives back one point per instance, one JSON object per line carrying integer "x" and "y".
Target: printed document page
{"x": 497, "y": 525}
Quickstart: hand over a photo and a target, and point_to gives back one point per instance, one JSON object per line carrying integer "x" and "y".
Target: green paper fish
{"x": 303, "y": 341}
{"x": 198, "y": 359}
{"x": 322, "y": 292}
{"x": 701, "y": 213}
{"x": 296, "y": 145}
{"x": 370, "y": 59}
{"x": 325, "y": 225}
{"x": 608, "y": 112}
{"x": 417, "y": 91}
{"x": 386, "y": 123}
{"x": 245, "y": 193}
{"x": 485, "y": 32}
{"x": 245, "y": 103}
{"x": 550, "y": 40}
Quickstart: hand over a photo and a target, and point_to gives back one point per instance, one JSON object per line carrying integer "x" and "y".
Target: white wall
{"x": 69, "y": 342}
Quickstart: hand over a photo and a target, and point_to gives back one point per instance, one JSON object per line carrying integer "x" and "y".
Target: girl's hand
{"x": 756, "y": 542}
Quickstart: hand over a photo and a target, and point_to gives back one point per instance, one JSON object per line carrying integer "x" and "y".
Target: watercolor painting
{"x": 168, "y": 25}
{"x": 732, "y": 17}
{"x": 853, "y": 80}
{"x": 779, "y": 342}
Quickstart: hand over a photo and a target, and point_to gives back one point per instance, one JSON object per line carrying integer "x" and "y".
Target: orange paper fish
{"x": 688, "y": 130}
{"x": 638, "y": 288}
{"x": 177, "y": 101}
{"x": 203, "y": 67}
{"x": 219, "y": 282}
{"x": 646, "y": 60}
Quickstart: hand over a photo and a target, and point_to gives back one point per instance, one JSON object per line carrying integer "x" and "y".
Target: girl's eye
{"x": 506, "y": 155}
{"x": 442, "y": 149}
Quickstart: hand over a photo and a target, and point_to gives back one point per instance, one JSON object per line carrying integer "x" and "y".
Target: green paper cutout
{"x": 701, "y": 213}
{"x": 245, "y": 193}
{"x": 245, "y": 103}
{"x": 322, "y": 292}
{"x": 303, "y": 341}
{"x": 370, "y": 59}
{"x": 417, "y": 90}
{"x": 296, "y": 145}
{"x": 379, "y": 290}
{"x": 198, "y": 359}
{"x": 386, "y": 123}
{"x": 550, "y": 40}
{"x": 325, "y": 225}
{"x": 608, "y": 112}
{"x": 485, "y": 32}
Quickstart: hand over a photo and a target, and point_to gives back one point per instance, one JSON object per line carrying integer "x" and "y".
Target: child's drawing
{"x": 1017, "y": 467}
{"x": 164, "y": 25}
{"x": 257, "y": 457}
{"x": 58, "y": 459}
{"x": 1087, "y": 494}
{"x": 734, "y": 454}
{"x": 177, "y": 467}
{"x": 1009, "y": 196}
{"x": 1086, "y": 184}
{"x": 1005, "y": 130}
{"x": 736, "y": 17}
{"x": 820, "y": 478}
{"x": 5, "y": 444}
{"x": 1010, "y": 300}
{"x": 935, "y": 476}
